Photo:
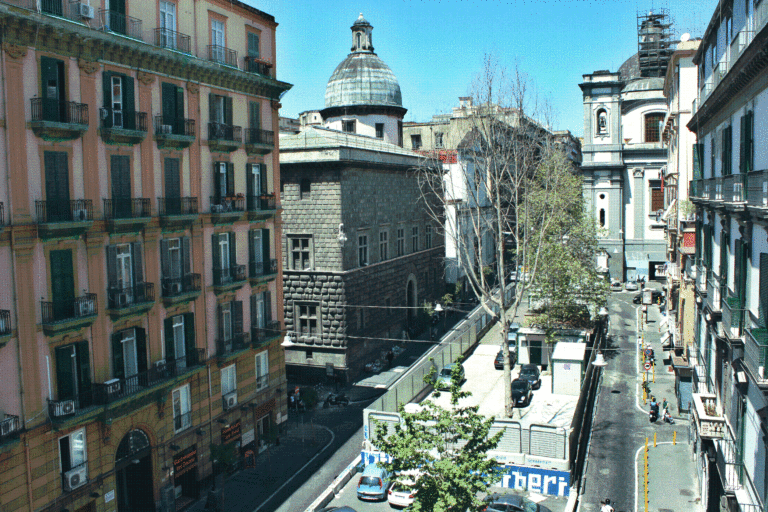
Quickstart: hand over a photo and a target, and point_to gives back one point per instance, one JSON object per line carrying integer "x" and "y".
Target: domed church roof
{"x": 363, "y": 79}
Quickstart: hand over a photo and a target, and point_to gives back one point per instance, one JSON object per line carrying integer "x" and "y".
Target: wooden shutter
{"x": 221, "y": 322}
{"x": 138, "y": 272}
{"x": 165, "y": 259}
{"x": 265, "y": 249}
{"x": 106, "y": 82}
{"x": 232, "y": 249}
{"x": 180, "y": 107}
{"x": 698, "y": 158}
{"x": 121, "y": 178}
{"x": 750, "y": 141}
{"x": 253, "y": 45}
{"x": 237, "y": 316}
{"x": 217, "y": 182}
{"x": 251, "y": 251}
{"x": 657, "y": 199}
{"x": 263, "y": 180}
{"x": 743, "y": 144}
{"x": 84, "y": 372}
{"x": 111, "y": 266}
{"x": 170, "y": 347}
{"x": 249, "y": 185}
{"x": 65, "y": 379}
{"x": 141, "y": 349}
{"x": 254, "y": 309}
{"x": 216, "y": 254}
{"x": 724, "y": 256}
{"x": 254, "y": 111}
{"x": 129, "y": 107}
{"x": 172, "y": 182}
{"x": 211, "y": 107}
{"x": 169, "y": 103}
{"x": 763, "y": 313}
{"x": 57, "y": 185}
{"x": 725, "y": 161}
{"x": 118, "y": 365}
{"x": 228, "y": 110}
{"x": 186, "y": 256}
{"x": 737, "y": 270}
{"x": 230, "y": 179}
{"x": 189, "y": 333}
{"x": 268, "y": 306}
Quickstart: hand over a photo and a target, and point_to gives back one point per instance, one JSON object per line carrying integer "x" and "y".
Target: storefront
{"x": 185, "y": 477}
{"x": 231, "y": 443}
{"x": 265, "y": 429}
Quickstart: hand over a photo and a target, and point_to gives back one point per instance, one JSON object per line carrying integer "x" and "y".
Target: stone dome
{"x": 362, "y": 79}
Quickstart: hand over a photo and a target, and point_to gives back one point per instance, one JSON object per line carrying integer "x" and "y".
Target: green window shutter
{"x": 118, "y": 365}
{"x": 230, "y": 179}
{"x": 737, "y": 269}
{"x": 228, "y": 111}
{"x": 253, "y": 45}
{"x": 211, "y": 107}
{"x": 189, "y": 334}
{"x": 165, "y": 259}
{"x": 237, "y": 316}
{"x": 265, "y": 250}
{"x": 65, "y": 378}
{"x": 170, "y": 347}
{"x": 169, "y": 103}
{"x": 699, "y": 244}
{"x": 129, "y": 106}
{"x": 251, "y": 252}
{"x": 268, "y": 306}
{"x": 750, "y": 141}
{"x": 111, "y": 266}
{"x": 106, "y": 82}
{"x": 743, "y": 144}
{"x": 763, "y": 305}
{"x": 141, "y": 349}
{"x": 696, "y": 162}
{"x": 83, "y": 373}
{"x": 216, "y": 182}
{"x": 232, "y": 249}
{"x": 723, "y": 256}
{"x": 216, "y": 252}
{"x": 179, "y": 107}
{"x": 138, "y": 271}
{"x": 254, "y": 109}
{"x": 249, "y": 188}
{"x": 186, "y": 255}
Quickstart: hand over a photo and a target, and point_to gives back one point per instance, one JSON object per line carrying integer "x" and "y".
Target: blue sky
{"x": 436, "y": 47}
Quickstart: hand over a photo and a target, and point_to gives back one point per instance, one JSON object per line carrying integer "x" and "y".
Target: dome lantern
{"x": 362, "y": 40}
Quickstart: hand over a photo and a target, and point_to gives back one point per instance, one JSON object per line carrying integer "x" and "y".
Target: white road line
{"x": 333, "y": 437}
{"x": 637, "y": 472}
{"x": 638, "y": 351}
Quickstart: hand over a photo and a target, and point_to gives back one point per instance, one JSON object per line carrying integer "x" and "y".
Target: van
{"x": 373, "y": 483}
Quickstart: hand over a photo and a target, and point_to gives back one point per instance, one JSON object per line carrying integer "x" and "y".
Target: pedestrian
{"x": 664, "y": 403}
{"x": 390, "y": 357}
{"x": 606, "y": 506}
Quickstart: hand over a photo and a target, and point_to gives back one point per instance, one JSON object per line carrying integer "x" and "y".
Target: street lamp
{"x": 599, "y": 360}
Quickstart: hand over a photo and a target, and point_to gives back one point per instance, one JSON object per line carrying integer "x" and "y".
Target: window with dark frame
{"x": 438, "y": 140}
{"x": 383, "y": 245}
{"x": 657, "y": 196}
{"x": 400, "y": 241}
{"x": 348, "y": 126}
{"x": 379, "y": 130}
{"x": 415, "y": 239}
{"x": 428, "y": 236}
{"x": 301, "y": 252}
{"x": 306, "y": 320}
{"x": 305, "y": 188}
{"x": 653, "y": 124}
{"x": 416, "y": 141}
{"x": 362, "y": 250}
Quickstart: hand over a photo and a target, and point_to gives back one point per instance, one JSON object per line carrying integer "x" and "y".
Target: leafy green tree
{"x": 447, "y": 448}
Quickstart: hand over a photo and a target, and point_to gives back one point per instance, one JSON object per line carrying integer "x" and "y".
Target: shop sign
{"x": 231, "y": 432}
{"x": 185, "y": 461}
{"x": 109, "y": 496}
{"x": 265, "y": 408}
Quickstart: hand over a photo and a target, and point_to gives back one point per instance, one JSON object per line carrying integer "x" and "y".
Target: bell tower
{"x": 361, "y": 35}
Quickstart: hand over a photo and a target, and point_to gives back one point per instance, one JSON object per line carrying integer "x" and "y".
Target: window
{"x": 223, "y": 182}
{"x": 657, "y": 196}
{"x": 124, "y": 275}
{"x": 379, "y": 130}
{"x": 224, "y": 249}
{"x": 301, "y": 252}
{"x": 180, "y": 340}
{"x": 261, "y": 316}
{"x": 262, "y": 370}
{"x": 220, "y": 117}
{"x": 173, "y": 109}
{"x": 725, "y": 153}
{"x": 362, "y": 250}
{"x": 438, "y": 140}
{"x": 118, "y": 101}
{"x": 653, "y": 124}
{"x": 305, "y": 188}
{"x": 602, "y": 122}
{"x": 259, "y": 255}
{"x": 218, "y": 38}
{"x": 57, "y": 205}
{"x": 253, "y": 45}
{"x": 428, "y": 236}
{"x": 383, "y": 245}
{"x": 228, "y": 380}
{"x": 400, "y": 241}
{"x": 73, "y": 373}
{"x": 129, "y": 356}
{"x": 348, "y": 126}
{"x": 175, "y": 263}
{"x": 72, "y": 453}
{"x": 182, "y": 411}
{"x": 415, "y": 239}
{"x": 306, "y": 320}
{"x": 167, "y": 36}
{"x": 712, "y": 153}
{"x": 230, "y": 326}
{"x": 747, "y": 146}
{"x": 52, "y": 78}
{"x": 602, "y": 217}
{"x": 400, "y": 133}
{"x": 416, "y": 141}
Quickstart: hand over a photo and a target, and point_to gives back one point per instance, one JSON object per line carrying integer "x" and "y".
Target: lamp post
{"x": 439, "y": 309}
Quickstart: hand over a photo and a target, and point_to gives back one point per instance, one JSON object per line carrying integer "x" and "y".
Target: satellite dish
{"x": 685, "y": 37}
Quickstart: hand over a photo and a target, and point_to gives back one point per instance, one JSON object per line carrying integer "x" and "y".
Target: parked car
{"x": 656, "y": 296}
{"x": 521, "y": 392}
{"x": 631, "y": 286}
{"x": 444, "y": 377}
{"x": 514, "y": 503}
{"x": 373, "y": 483}
{"x": 616, "y": 286}
{"x": 337, "y": 509}
{"x": 401, "y": 491}
{"x": 498, "y": 363}
{"x": 530, "y": 372}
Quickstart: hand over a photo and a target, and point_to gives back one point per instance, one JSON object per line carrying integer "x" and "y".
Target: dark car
{"x": 521, "y": 393}
{"x": 498, "y": 363}
{"x": 656, "y": 296}
{"x": 530, "y": 372}
{"x": 514, "y": 503}
{"x": 337, "y": 509}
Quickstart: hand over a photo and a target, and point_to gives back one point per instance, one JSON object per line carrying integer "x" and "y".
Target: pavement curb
{"x": 339, "y": 482}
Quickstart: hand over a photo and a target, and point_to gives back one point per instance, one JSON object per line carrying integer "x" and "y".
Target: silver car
{"x": 631, "y": 286}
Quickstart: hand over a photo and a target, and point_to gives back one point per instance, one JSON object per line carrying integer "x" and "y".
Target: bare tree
{"x": 507, "y": 197}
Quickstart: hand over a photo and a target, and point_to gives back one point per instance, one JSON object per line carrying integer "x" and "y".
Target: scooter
{"x": 336, "y": 399}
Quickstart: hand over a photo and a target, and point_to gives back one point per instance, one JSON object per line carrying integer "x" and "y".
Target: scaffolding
{"x": 654, "y": 42}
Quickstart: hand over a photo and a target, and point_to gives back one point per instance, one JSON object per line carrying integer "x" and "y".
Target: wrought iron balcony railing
{"x": 259, "y": 136}
{"x": 78, "y": 307}
{"x": 76, "y": 210}
{"x": 167, "y": 206}
{"x": 234, "y": 273}
{"x": 262, "y": 268}
{"x": 123, "y": 119}
{"x": 265, "y": 202}
{"x": 227, "y": 204}
{"x": 756, "y": 352}
{"x": 222, "y": 55}
{"x": 220, "y": 131}
{"x": 175, "y": 286}
{"x": 126, "y": 208}
{"x": 68, "y": 112}
{"x": 734, "y": 315}
{"x": 238, "y": 341}
{"x": 734, "y": 188}
{"x": 139, "y": 293}
{"x": 174, "y": 126}
{"x": 757, "y": 188}
{"x": 113, "y": 21}
{"x": 714, "y": 291}
{"x": 172, "y": 40}
{"x": 257, "y": 65}
{"x": 9, "y": 426}
{"x": 5, "y": 322}
{"x": 271, "y": 330}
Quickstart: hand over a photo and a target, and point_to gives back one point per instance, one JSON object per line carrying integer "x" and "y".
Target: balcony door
{"x": 121, "y": 186}
{"x": 257, "y": 184}
{"x": 168, "y": 25}
{"x": 129, "y": 356}
{"x": 57, "y": 208}
{"x": 117, "y": 16}
{"x": 173, "y": 108}
{"x": 73, "y": 373}
{"x": 179, "y": 339}
{"x": 217, "y": 40}
{"x": 224, "y": 262}
{"x": 124, "y": 275}
{"x": 62, "y": 284}
{"x": 53, "y": 93}
{"x": 172, "y": 175}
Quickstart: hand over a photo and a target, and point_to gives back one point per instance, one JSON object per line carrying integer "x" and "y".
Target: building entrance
{"x": 133, "y": 472}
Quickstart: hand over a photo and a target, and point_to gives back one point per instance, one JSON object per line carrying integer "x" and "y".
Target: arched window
{"x": 653, "y": 124}
{"x": 602, "y": 122}
{"x": 602, "y": 217}
{"x": 359, "y": 41}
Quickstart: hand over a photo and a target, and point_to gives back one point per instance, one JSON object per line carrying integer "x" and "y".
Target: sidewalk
{"x": 249, "y": 488}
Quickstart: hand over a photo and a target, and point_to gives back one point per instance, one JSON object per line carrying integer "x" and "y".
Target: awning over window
{"x": 669, "y": 210}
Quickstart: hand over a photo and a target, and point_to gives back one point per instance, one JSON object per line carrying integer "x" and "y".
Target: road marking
{"x": 333, "y": 437}
{"x": 637, "y": 473}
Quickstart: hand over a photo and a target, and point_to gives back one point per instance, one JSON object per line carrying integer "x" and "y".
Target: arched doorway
{"x": 133, "y": 473}
{"x": 411, "y": 302}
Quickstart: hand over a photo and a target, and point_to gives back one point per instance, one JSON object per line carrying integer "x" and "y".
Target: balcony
{"x": 134, "y": 300}
{"x": 734, "y": 314}
{"x": 709, "y": 420}
{"x": 118, "y": 23}
{"x": 222, "y": 55}
{"x": 701, "y": 280}
{"x": 181, "y": 289}
{"x": 258, "y": 66}
{"x": 261, "y": 207}
{"x": 5, "y": 327}
{"x": 60, "y": 317}
{"x": 55, "y": 120}
{"x": 123, "y": 127}
{"x": 730, "y": 465}
{"x": 755, "y": 352}
{"x": 175, "y": 133}
{"x": 261, "y": 271}
{"x": 225, "y": 210}
{"x": 714, "y": 292}
{"x": 177, "y": 211}
{"x": 127, "y": 214}
{"x": 114, "y": 390}
{"x": 224, "y": 138}
{"x": 734, "y": 188}
{"x": 757, "y": 193}
{"x": 226, "y": 349}
{"x": 261, "y": 336}
{"x": 259, "y": 142}
{"x": 172, "y": 40}
{"x": 10, "y": 426}
{"x": 226, "y": 279}
{"x": 63, "y": 218}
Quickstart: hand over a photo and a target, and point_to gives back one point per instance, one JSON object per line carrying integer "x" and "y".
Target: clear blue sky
{"x": 436, "y": 47}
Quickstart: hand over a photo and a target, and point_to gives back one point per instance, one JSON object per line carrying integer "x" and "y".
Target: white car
{"x": 400, "y": 494}
{"x": 616, "y": 286}
{"x": 631, "y": 286}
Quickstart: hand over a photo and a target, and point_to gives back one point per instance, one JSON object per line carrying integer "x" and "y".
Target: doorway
{"x": 133, "y": 472}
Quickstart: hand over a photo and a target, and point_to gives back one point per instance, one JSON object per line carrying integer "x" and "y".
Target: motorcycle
{"x": 339, "y": 399}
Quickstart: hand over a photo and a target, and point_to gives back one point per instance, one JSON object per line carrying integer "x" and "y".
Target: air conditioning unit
{"x": 230, "y": 400}
{"x": 85, "y": 308}
{"x": 75, "y": 478}
{"x": 122, "y": 299}
{"x": 112, "y": 386}
{"x": 176, "y": 287}
{"x": 64, "y": 408}
{"x": 166, "y": 129}
{"x": 86, "y": 11}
